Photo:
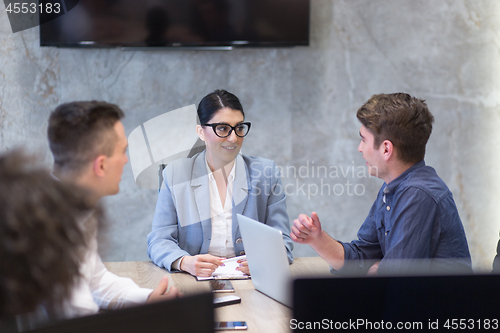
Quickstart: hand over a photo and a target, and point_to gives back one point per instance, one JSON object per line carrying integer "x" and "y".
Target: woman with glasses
{"x": 195, "y": 224}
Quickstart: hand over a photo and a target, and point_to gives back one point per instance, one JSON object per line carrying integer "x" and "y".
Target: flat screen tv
{"x": 178, "y": 23}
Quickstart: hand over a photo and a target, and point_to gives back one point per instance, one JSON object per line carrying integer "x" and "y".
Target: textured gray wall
{"x": 301, "y": 102}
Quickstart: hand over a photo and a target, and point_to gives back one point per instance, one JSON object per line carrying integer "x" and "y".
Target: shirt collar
{"x": 230, "y": 177}
{"x": 389, "y": 188}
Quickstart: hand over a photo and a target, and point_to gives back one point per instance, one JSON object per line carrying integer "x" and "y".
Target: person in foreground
{"x": 414, "y": 215}
{"x": 41, "y": 242}
{"x": 88, "y": 142}
{"x": 195, "y": 224}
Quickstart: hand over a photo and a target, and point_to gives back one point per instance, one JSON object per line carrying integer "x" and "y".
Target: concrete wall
{"x": 301, "y": 102}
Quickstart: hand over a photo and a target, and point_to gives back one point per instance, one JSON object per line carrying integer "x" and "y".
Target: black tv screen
{"x": 179, "y": 23}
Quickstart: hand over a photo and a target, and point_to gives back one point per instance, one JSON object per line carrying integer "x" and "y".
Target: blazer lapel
{"x": 241, "y": 188}
{"x": 199, "y": 184}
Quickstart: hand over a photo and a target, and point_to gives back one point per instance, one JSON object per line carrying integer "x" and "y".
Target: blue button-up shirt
{"x": 413, "y": 217}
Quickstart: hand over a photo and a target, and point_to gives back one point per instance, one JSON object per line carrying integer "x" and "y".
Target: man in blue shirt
{"x": 414, "y": 215}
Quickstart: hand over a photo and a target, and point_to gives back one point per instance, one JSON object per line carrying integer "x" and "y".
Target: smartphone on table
{"x": 230, "y": 325}
{"x": 222, "y": 286}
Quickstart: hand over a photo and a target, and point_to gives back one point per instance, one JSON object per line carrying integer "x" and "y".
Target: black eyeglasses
{"x": 224, "y": 130}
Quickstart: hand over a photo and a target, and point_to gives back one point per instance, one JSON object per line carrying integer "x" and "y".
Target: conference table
{"x": 262, "y": 313}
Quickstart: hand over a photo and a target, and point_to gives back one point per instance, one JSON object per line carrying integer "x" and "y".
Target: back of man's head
{"x": 80, "y": 131}
{"x": 400, "y": 118}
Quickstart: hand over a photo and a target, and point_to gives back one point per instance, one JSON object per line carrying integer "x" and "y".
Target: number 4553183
{"x": 477, "y": 324}
{"x": 32, "y": 8}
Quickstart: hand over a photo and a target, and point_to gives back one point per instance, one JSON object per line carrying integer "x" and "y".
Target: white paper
{"x": 228, "y": 271}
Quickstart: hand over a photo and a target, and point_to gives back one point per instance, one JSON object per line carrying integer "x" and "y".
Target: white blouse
{"x": 221, "y": 243}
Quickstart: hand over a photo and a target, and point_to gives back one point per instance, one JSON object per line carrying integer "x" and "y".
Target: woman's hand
{"x": 243, "y": 267}
{"x": 202, "y": 265}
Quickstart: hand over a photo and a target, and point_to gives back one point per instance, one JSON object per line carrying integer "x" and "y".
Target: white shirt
{"x": 221, "y": 242}
{"x": 100, "y": 289}
{"x": 97, "y": 288}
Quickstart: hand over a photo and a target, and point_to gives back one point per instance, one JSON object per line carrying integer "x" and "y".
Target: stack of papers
{"x": 228, "y": 271}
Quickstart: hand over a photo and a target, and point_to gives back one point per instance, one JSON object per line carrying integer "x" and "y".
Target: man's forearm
{"x": 330, "y": 250}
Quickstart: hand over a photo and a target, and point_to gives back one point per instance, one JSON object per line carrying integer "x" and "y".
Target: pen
{"x": 234, "y": 259}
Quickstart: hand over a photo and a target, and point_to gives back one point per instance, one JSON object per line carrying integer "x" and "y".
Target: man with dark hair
{"x": 89, "y": 146}
{"x": 414, "y": 215}
{"x": 88, "y": 142}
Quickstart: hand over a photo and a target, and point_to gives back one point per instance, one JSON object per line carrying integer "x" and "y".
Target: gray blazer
{"x": 182, "y": 224}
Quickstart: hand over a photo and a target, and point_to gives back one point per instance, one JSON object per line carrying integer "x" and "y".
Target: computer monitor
{"x": 428, "y": 303}
{"x": 186, "y": 314}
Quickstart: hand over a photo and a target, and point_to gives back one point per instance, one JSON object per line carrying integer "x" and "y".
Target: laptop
{"x": 267, "y": 259}
{"x": 167, "y": 316}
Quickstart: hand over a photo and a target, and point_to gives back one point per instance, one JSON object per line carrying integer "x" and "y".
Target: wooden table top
{"x": 261, "y": 313}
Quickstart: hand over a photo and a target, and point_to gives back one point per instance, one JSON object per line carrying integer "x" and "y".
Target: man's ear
{"x": 99, "y": 165}
{"x": 199, "y": 131}
{"x": 387, "y": 149}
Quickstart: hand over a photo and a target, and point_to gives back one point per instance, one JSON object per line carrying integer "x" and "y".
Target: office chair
{"x": 160, "y": 175}
{"x": 496, "y": 261}
{"x": 197, "y": 148}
